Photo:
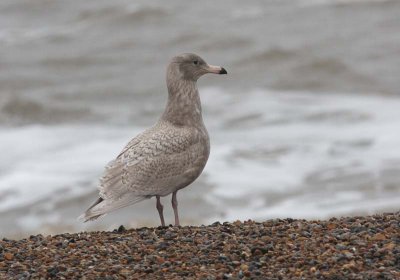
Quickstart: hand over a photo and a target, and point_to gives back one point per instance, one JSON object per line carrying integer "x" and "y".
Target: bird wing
{"x": 152, "y": 163}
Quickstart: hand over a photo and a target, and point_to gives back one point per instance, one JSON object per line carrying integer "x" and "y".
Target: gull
{"x": 168, "y": 156}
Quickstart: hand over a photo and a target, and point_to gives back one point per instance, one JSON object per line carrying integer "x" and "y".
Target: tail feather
{"x": 103, "y": 206}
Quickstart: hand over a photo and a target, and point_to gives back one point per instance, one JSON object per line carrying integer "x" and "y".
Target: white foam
{"x": 282, "y": 154}
{"x": 332, "y": 142}
{"x": 39, "y": 161}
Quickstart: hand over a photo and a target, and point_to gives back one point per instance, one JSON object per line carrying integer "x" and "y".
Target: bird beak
{"x": 216, "y": 69}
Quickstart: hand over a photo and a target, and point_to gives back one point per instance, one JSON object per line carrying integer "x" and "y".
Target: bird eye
{"x": 196, "y": 62}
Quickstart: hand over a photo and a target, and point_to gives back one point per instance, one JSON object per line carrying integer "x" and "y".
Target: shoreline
{"x": 364, "y": 247}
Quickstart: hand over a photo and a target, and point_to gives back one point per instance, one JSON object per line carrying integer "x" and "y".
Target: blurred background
{"x": 306, "y": 124}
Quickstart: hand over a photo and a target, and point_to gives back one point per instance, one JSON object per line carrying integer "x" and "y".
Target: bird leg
{"x": 175, "y": 207}
{"x": 160, "y": 208}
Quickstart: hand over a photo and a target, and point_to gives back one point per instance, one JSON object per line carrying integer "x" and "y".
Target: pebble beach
{"x": 365, "y": 247}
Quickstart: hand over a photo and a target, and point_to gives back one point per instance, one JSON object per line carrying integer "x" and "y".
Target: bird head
{"x": 190, "y": 66}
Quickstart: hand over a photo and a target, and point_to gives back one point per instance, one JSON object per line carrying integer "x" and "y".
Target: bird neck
{"x": 183, "y": 106}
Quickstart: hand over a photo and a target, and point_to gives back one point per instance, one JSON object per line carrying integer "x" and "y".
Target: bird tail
{"x": 103, "y": 206}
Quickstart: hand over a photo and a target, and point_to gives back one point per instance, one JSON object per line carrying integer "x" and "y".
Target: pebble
{"x": 8, "y": 256}
{"x": 340, "y": 248}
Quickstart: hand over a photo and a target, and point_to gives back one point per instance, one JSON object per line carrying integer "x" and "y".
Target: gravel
{"x": 345, "y": 248}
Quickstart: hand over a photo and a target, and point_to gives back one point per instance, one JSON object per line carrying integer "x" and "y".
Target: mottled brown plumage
{"x": 166, "y": 157}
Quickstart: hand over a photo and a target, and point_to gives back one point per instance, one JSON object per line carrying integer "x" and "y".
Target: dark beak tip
{"x": 223, "y": 71}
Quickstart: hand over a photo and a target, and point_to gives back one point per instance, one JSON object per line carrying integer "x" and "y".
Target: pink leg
{"x": 160, "y": 208}
{"x": 175, "y": 207}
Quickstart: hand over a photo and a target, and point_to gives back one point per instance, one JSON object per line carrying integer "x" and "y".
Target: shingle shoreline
{"x": 344, "y": 248}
